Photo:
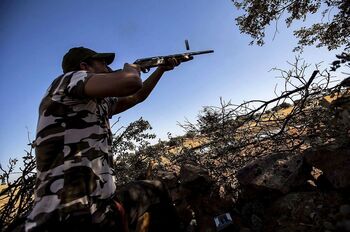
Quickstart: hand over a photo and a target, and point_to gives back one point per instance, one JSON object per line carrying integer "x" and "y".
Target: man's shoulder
{"x": 68, "y": 76}
{"x": 64, "y": 83}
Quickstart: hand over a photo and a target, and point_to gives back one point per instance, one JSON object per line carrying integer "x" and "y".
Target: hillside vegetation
{"x": 231, "y": 157}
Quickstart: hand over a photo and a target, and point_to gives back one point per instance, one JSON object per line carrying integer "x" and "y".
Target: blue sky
{"x": 36, "y": 34}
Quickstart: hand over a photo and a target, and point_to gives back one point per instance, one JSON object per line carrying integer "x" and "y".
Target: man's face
{"x": 98, "y": 66}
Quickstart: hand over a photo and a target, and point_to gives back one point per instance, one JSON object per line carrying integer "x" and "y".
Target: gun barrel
{"x": 150, "y": 62}
{"x": 200, "y": 52}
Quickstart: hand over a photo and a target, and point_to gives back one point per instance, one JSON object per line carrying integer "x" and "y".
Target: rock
{"x": 257, "y": 223}
{"x": 168, "y": 178}
{"x": 311, "y": 183}
{"x": 252, "y": 208}
{"x": 328, "y": 225}
{"x": 276, "y": 172}
{"x": 289, "y": 213}
{"x": 196, "y": 199}
{"x": 341, "y": 111}
{"x": 344, "y": 210}
{"x": 323, "y": 183}
{"x": 343, "y": 225}
{"x": 244, "y": 229}
{"x": 315, "y": 173}
{"x": 334, "y": 163}
{"x": 195, "y": 178}
{"x": 312, "y": 215}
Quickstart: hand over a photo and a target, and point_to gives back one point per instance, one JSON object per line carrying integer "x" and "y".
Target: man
{"x": 75, "y": 182}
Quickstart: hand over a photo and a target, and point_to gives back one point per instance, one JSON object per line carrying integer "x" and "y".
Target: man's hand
{"x": 132, "y": 68}
{"x": 169, "y": 65}
{"x": 173, "y": 62}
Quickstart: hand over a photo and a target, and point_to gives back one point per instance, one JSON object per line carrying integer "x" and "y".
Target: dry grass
{"x": 266, "y": 118}
{"x": 4, "y": 200}
{"x": 188, "y": 143}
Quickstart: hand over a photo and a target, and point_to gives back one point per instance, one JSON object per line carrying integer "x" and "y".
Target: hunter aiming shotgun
{"x": 150, "y": 62}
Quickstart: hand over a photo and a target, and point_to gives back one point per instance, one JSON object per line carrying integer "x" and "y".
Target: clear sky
{"x": 35, "y": 34}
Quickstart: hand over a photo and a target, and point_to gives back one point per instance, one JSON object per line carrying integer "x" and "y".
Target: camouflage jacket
{"x": 73, "y": 153}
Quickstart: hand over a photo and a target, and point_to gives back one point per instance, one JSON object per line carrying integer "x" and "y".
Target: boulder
{"x": 305, "y": 211}
{"x": 333, "y": 162}
{"x": 168, "y": 178}
{"x": 197, "y": 200}
{"x": 277, "y": 172}
{"x": 195, "y": 178}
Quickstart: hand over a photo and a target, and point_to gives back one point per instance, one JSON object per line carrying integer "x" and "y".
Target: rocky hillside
{"x": 279, "y": 170}
{"x": 279, "y": 192}
{"x": 305, "y": 189}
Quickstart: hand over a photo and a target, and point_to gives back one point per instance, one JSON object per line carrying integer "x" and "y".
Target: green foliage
{"x": 208, "y": 120}
{"x": 127, "y": 146}
{"x": 133, "y": 138}
{"x": 283, "y": 105}
{"x": 190, "y": 134}
{"x": 174, "y": 141}
{"x": 332, "y": 32}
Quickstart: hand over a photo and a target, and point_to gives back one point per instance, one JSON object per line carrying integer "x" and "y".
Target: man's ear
{"x": 84, "y": 66}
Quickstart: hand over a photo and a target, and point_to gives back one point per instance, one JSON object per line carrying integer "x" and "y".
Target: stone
{"x": 312, "y": 215}
{"x": 244, "y": 229}
{"x": 168, "y": 178}
{"x": 343, "y": 225}
{"x": 288, "y": 213}
{"x": 328, "y": 225}
{"x": 194, "y": 178}
{"x": 275, "y": 172}
{"x": 256, "y": 222}
{"x": 344, "y": 210}
{"x": 333, "y": 162}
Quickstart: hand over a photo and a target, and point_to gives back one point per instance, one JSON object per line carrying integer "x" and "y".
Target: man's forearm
{"x": 149, "y": 84}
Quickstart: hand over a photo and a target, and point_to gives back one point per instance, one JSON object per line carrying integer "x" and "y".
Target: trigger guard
{"x": 145, "y": 70}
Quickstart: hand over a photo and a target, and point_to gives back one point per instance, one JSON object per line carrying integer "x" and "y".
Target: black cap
{"x": 74, "y": 56}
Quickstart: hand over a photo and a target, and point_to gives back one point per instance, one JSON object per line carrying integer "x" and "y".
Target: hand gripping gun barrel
{"x": 150, "y": 62}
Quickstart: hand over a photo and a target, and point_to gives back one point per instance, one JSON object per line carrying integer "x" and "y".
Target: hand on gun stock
{"x": 171, "y": 63}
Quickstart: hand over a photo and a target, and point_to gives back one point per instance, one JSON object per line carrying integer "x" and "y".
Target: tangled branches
{"x": 309, "y": 112}
{"x": 18, "y": 194}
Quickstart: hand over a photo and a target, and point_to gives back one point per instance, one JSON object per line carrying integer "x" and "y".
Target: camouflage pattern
{"x": 73, "y": 154}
